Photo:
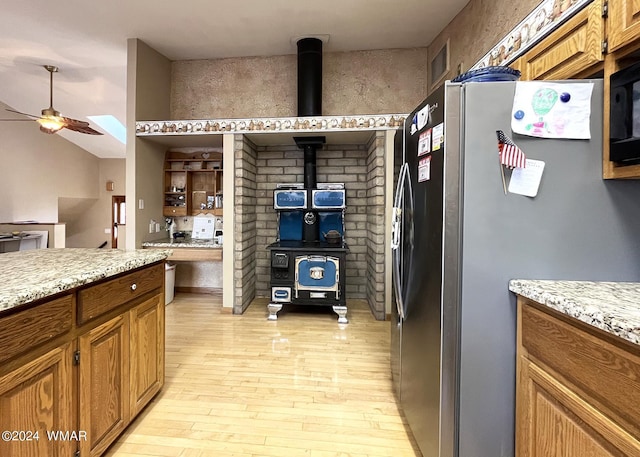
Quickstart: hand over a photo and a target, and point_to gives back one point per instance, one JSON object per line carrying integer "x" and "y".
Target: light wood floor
{"x": 243, "y": 386}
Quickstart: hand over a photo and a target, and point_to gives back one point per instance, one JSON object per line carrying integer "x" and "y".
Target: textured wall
{"x": 362, "y": 82}
{"x": 477, "y": 28}
{"x": 244, "y": 224}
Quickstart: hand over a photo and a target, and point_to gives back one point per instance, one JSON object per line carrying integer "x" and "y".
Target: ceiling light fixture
{"x": 50, "y": 124}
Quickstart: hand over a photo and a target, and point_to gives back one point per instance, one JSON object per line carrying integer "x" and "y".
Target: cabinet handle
{"x": 133, "y": 286}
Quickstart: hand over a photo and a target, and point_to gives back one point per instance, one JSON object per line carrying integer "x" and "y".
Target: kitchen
{"x": 233, "y": 304}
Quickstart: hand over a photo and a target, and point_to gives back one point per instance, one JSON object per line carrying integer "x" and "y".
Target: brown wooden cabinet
{"x": 104, "y": 384}
{"x": 83, "y": 363}
{"x": 37, "y": 397}
{"x": 146, "y": 352}
{"x": 577, "y": 388}
{"x": 574, "y": 50}
{"x": 518, "y": 64}
{"x": 624, "y": 23}
{"x": 193, "y": 183}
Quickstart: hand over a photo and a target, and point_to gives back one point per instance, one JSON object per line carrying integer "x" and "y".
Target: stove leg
{"x": 273, "y": 311}
{"x": 341, "y": 311}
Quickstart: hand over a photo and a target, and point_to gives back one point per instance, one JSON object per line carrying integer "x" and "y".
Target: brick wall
{"x": 375, "y": 225}
{"x": 335, "y": 163}
{"x": 245, "y": 222}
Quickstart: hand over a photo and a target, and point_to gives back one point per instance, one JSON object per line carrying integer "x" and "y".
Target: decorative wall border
{"x": 271, "y": 125}
{"x": 545, "y": 18}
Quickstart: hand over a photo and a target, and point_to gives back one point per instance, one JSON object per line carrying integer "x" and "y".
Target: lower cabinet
{"x": 121, "y": 369}
{"x": 36, "y": 399}
{"x": 104, "y": 384}
{"x": 146, "y": 352}
{"x": 577, "y": 391}
{"x": 76, "y": 386}
{"x": 559, "y": 423}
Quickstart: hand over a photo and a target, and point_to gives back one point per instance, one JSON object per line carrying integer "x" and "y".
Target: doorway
{"x": 118, "y": 217}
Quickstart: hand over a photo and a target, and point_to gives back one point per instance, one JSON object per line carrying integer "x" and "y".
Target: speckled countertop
{"x": 26, "y": 276}
{"x": 182, "y": 244}
{"x": 611, "y": 306}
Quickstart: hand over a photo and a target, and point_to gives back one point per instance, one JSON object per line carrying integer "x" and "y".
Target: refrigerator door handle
{"x": 396, "y": 221}
{"x": 396, "y": 237}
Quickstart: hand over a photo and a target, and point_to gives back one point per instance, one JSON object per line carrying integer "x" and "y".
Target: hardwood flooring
{"x": 244, "y": 386}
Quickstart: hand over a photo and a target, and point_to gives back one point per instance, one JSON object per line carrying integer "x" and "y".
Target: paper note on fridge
{"x": 526, "y": 181}
{"x": 552, "y": 110}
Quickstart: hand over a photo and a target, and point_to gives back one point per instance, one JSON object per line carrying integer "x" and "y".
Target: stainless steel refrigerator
{"x": 458, "y": 239}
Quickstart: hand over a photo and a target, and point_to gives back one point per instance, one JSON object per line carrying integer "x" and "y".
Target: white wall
{"x": 49, "y": 179}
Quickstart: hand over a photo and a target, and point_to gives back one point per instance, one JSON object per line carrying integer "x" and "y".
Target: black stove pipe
{"x": 310, "y": 104}
{"x": 309, "y": 77}
{"x": 310, "y": 180}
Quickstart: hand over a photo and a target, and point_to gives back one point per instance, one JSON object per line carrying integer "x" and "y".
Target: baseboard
{"x": 200, "y": 290}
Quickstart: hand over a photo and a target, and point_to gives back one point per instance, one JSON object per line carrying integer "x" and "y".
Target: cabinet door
{"x": 553, "y": 421}
{"x": 104, "y": 384}
{"x": 624, "y": 23}
{"x": 146, "y": 352}
{"x": 570, "y": 50}
{"x": 37, "y": 397}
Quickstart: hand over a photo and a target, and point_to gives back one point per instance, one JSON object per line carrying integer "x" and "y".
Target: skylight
{"x": 112, "y": 126}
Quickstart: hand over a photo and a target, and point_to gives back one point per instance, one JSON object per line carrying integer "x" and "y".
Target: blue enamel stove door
{"x": 317, "y": 273}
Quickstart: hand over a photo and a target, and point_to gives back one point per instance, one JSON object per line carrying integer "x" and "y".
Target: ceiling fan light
{"x": 51, "y": 124}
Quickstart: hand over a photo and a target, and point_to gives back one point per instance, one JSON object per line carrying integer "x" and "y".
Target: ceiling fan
{"x": 51, "y": 121}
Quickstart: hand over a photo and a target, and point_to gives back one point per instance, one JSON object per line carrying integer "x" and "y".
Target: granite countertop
{"x": 611, "y": 306}
{"x": 39, "y": 273}
{"x": 189, "y": 243}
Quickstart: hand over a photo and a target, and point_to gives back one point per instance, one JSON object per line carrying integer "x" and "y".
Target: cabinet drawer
{"x": 96, "y": 300}
{"x": 605, "y": 374}
{"x": 25, "y": 330}
{"x": 174, "y": 210}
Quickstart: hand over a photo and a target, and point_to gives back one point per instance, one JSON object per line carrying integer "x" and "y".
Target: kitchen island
{"x": 81, "y": 345}
{"x": 578, "y": 375}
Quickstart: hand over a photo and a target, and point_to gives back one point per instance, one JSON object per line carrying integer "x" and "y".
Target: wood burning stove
{"x": 306, "y": 268}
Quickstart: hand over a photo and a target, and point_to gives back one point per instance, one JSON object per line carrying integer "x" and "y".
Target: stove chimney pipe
{"x": 309, "y": 77}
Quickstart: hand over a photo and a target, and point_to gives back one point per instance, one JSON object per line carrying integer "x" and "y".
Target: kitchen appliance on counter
{"x": 457, "y": 241}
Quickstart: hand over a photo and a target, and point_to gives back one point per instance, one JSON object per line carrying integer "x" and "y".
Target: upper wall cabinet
{"x": 624, "y": 22}
{"x": 192, "y": 183}
{"x": 574, "y": 50}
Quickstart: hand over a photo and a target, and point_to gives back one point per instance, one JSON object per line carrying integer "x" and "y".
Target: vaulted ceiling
{"x": 88, "y": 42}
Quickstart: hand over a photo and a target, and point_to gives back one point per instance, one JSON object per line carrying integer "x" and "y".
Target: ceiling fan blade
{"x": 79, "y": 126}
{"x": 24, "y": 114}
{"x": 76, "y": 122}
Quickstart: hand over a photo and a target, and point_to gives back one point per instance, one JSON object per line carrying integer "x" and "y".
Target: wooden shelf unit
{"x": 193, "y": 183}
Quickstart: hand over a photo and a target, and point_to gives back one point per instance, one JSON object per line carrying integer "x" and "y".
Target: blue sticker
{"x": 518, "y": 114}
{"x": 565, "y": 97}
